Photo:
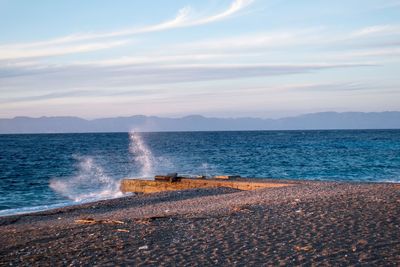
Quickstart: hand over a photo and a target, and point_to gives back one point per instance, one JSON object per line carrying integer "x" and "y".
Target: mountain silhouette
{"x": 313, "y": 121}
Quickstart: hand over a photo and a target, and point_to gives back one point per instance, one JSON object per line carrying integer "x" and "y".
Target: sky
{"x": 227, "y": 58}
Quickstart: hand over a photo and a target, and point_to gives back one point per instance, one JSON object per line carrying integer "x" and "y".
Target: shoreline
{"x": 37, "y": 209}
{"x": 310, "y": 222}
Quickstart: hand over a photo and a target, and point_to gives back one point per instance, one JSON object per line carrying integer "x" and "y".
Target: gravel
{"x": 303, "y": 224}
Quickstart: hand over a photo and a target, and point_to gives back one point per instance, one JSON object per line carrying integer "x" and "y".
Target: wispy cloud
{"x": 385, "y": 52}
{"x": 235, "y": 7}
{"x": 178, "y": 21}
{"x": 377, "y": 30}
{"x": 158, "y": 59}
{"x": 161, "y": 94}
{"x": 130, "y": 76}
{"x": 11, "y": 53}
{"x": 266, "y": 40}
{"x": 332, "y": 87}
{"x": 182, "y": 19}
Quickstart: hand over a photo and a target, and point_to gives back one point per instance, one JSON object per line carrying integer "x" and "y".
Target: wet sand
{"x": 311, "y": 223}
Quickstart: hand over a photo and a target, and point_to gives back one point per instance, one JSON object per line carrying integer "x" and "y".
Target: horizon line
{"x": 197, "y": 115}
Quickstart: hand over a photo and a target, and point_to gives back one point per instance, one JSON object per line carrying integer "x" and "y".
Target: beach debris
{"x": 148, "y": 220}
{"x": 359, "y": 244}
{"x": 306, "y": 248}
{"x": 241, "y": 208}
{"x": 122, "y": 230}
{"x": 85, "y": 221}
{"x": 143, "y": 247}
{"x": 144, "y": 221}
{"x": 93, "y": 221}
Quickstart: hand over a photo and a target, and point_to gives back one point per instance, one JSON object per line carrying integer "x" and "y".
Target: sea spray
{"x": 207, "y": 169}
{"x": 142, "y": 155}
{"x": 90, "y": 183}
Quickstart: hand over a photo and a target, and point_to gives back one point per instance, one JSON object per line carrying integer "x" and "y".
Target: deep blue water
{"x": 82, "y": 167}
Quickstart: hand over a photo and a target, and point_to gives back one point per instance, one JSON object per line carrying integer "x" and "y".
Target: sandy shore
{"x": 309, "y": 223}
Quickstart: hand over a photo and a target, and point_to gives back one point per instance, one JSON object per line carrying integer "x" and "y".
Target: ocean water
{"x": 41, "y": 171}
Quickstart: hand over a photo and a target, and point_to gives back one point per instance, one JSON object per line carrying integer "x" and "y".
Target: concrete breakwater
{"x": 167, "y": 183}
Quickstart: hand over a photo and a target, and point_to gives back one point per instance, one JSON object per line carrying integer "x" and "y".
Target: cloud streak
{"x": 235, "y": 7}
{"x": 160, "y": 93}
{"x": 70, "y": 77}
{"x": 377, "y": 30}
{"x": 182, "y": 19}
{"x": 18, "y": 52}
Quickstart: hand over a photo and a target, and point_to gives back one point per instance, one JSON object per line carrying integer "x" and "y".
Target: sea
{"x": 44, "y": 171}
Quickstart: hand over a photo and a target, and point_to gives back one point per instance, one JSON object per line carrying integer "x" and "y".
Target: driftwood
{"x": 93, "y": 221}
{"x": 122, "y": 230}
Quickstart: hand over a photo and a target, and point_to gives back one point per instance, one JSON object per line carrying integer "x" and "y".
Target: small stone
{"x": 362, "y": 242}
{"x": 363, "y": 257}
{"x": 143, "y": 247}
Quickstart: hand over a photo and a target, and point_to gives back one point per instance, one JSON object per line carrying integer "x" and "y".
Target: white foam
{"x": 390, "y": 181}
{"x": 33, "y": 209}
{"x": 91, "y": 183}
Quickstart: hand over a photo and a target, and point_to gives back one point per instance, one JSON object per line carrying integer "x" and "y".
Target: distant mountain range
{"x": 323, "y": 120}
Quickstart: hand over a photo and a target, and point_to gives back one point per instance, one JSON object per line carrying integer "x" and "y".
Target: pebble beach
{"x": 307, "y": 223}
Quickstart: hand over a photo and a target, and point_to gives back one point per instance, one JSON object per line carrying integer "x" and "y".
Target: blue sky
{"x": 228, "y": 58}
